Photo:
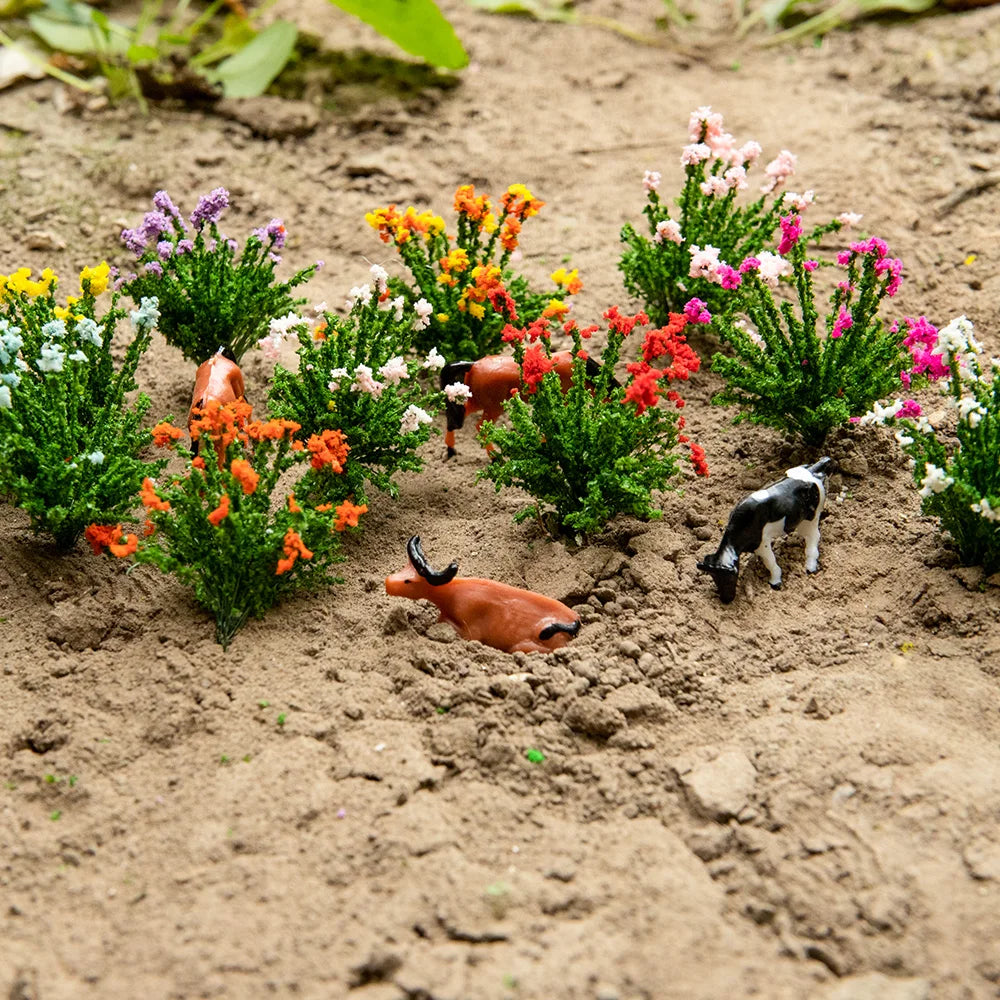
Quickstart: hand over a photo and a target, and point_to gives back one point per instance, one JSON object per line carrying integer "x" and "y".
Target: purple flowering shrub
{"x": 804, "y": 374}
{"x": 691, "y": 247}
{"x": 210, "y": 296}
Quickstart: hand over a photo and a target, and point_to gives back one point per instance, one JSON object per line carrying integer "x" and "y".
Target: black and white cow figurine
{"x": 791, "y": 504}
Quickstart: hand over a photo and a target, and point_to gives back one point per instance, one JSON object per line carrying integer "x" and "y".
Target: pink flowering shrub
{"x": 357, "y": 374}
{"x": 692, "y": 252}
{"x": 805, "y": 374}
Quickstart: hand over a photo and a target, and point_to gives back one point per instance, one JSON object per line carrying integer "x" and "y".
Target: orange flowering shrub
{"x": 219, "y": 528}
{"x": 463, "y": 287}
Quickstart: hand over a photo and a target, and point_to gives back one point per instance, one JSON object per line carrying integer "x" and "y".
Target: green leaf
{"x": 541, "y": 10}
{"x": 416, "y": 26}
{"x": 76, "y": 39}
{"x": 237, "y": 33}
{"x": 142, "y": 53}
{"x": 250, "y": 72}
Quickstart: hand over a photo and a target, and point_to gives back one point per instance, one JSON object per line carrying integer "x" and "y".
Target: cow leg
{"x": 809, "y": 530}
{"x": 771, "y": 531}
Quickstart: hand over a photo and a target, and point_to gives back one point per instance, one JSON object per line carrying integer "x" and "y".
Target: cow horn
{"x": 419, "y": 562}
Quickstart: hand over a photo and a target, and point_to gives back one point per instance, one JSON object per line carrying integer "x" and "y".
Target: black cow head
{"x": 724, "y": 576}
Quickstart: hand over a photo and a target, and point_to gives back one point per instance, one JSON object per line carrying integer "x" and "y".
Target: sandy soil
{"x": 795, "y": 796}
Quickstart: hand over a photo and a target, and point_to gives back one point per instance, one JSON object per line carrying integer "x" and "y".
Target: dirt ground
{"x": 794, "y": 797}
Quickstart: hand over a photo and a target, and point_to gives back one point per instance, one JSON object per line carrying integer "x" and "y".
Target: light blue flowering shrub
{"x": 69, "y": 444}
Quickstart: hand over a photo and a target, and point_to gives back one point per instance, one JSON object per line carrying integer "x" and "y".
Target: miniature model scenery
{"x": 416, "y": 438}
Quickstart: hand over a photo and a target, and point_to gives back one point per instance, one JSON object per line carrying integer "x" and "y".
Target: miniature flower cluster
{"x": 70, "y": 443}
{"x": 583, "y": 445}
{"x": 694, "y": 254}
{"x": 358, "y": 374}
{"x": 217, "y": 525}
{"x": 210, "y": 297}
{"x": 796, "y": 372}
{"x": 464, "y": 288}
{"x": 955, "y": 465}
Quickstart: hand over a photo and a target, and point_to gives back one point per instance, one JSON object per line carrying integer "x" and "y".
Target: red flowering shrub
{"x": 598, "y": 448}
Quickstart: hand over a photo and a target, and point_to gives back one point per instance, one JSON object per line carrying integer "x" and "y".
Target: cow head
{"x": 418, "y": 579}
{"x": 724, "y": 575}
{"x": 822, "y": 468}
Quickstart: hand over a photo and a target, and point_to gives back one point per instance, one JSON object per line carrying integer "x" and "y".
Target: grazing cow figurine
{"x": 219, "y": 378}
{"x": 792, "y": 504}
{"x": 491, "y": 380}
{"x": 507, "y": 618}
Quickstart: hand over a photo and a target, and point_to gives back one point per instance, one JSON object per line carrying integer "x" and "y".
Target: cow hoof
{"x": 811, "y": 571}
{"x": 776, "y": 586}
{"x": 451, "y": 454}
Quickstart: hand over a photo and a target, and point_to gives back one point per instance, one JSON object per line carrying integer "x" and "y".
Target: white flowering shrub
{"x": 69, "y": 443}
{"x": 356, "y": 374}
{"x": 957, "y": 467}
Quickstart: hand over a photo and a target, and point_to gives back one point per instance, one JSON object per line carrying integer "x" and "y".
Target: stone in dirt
{"x": 594, "y": 718}
{"x": 982, "y": 859}
{"x": 875, "y": 986}
{"x": 638, "y": 701}
{"x": 45, "y": 240}
{"x": 270, "y": 117}
{"x": 720, "y": 788}
{"x": 80, "y": 625}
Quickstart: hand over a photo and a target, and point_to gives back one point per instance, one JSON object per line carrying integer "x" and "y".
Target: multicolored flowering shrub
{"x": 356, "y": 374}
{"x": 69, "y": 442}
{"x": 600, "y": 448}
{"x": 957, "y": 467}
{"x": 209, "y": 297}
{"x": 218, "y": 527}
{"x": 464, "y": 288}
{"x": 796, "y": 373}
{"x": 686, "y": 254}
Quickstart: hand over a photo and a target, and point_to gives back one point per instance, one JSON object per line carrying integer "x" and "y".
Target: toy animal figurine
{"x": 218, "y": 378}
{"x": 792, "y": 504}
{"x": 495, "y": 614}
{"x": 492, "y": 379}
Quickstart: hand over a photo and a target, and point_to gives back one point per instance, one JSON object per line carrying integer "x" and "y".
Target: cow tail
{"x": 550, "y": 630}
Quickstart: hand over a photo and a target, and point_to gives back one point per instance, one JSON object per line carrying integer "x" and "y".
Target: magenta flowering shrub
{"x": 210, "y": 296}
{"x": 802, "y": 373}
{"x": 955, "y": 464}
{"x": 690, "y": 248}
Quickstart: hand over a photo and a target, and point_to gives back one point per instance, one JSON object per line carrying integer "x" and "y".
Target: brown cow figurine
{"x": 491, "y": 380}
{"x": 495, "y": 614}
{"x": 219, "y": 378}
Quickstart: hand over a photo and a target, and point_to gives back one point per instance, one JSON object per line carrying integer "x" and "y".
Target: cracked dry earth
{"x": 794, "y": 797}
